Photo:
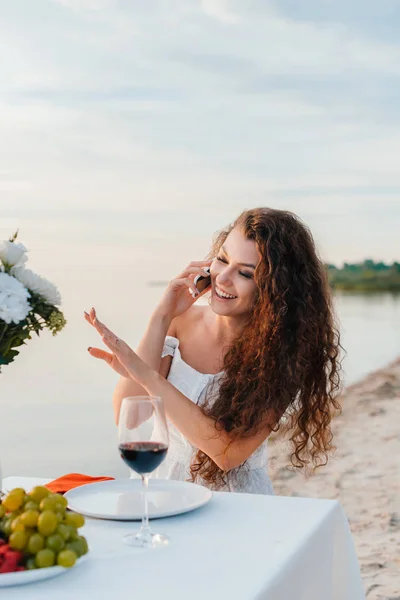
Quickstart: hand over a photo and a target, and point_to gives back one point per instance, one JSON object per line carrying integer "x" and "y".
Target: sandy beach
{"x": 363, "y": 474}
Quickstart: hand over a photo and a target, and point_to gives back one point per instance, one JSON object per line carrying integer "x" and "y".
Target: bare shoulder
{"x": 188, "y": 320}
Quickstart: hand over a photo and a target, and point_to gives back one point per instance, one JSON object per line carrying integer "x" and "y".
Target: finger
{"x": 102, "y": 354}
{"x": 118, "y": 346}
{"x": 124, "y": 353}
{"x": 130, "y": 361}
{"x": 88, "y": 318}
{"x": 185, "y": 281}
{"x": 100, "y": 327}
{"x": 200, "y": 263}
{"x": 197, "y": 264}
{"x": 194, "y": 271}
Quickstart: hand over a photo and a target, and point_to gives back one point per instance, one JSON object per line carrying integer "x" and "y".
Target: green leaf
{"x": 34, "y": 323}
{"x": 14, "y": 237}
{"x": 5, "y": 360}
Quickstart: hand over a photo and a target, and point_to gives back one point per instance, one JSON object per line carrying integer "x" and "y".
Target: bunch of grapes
{"x": 39, "y": 526}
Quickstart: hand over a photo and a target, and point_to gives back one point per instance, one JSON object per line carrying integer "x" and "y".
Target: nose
{"x": 224, "y": 277}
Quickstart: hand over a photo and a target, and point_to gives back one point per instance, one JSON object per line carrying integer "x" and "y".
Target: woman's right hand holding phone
{"x": 181, "y": 292}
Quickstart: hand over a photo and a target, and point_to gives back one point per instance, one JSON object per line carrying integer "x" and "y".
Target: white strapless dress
{"x": 251, "y": 477}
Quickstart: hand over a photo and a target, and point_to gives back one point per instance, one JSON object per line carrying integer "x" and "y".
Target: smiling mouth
{"x": 222, "y": 295}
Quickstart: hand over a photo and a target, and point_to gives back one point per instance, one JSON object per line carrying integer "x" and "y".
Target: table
{"x": 238, "y": 547}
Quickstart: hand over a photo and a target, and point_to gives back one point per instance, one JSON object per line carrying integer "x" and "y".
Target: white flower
{"x": 12, "y": 253}
{"x": 39, "y": 285}
{"x": 14, "y": 306}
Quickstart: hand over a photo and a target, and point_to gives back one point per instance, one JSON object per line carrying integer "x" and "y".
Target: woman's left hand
{"x": 133, "y": 366}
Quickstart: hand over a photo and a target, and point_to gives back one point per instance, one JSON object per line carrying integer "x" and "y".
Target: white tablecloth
{"x": 238, "y": 547}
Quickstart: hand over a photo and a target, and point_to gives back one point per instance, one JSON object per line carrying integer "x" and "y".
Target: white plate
{"x": 122, "y": 499}
{"x": 23, "y": 577}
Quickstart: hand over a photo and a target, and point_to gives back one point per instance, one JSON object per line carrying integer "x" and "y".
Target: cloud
{"x": 375, "y": 20}
{"x": 229, "y": 103}
{"x": 219, "y": 9}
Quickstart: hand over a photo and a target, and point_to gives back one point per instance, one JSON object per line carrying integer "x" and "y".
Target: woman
{"x": 266, "y": 346}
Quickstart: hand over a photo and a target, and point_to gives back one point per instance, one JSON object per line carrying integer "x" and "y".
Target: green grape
{"x": 35, "y": 543}
{"x": 29, "y": 518}
{"x": 47, "y": 522}
{"x": 19, "y": 491}
{"x": 54, "y": 502}
{"x": 84, "y": 544}
{"x": 73, "y": 532}
{"x": 48, "y": 503}
{"x": 75, "y": 519}
{"x": 78, "y": 546}
{"x": 63, "y": 530}
{"x": 55, "y": 542}
{"x": 2, "y": 511}
{"x": 60, "y": 516}
{"x": 18, "y": 540}
{"x": 30, "y": 563}
{"x": 7, "y": 527}
{"x": 31, "y": 505}
{"x": 45, "y": 558}
{"x": 38, "y": 493}
{"x": 17, "y": 525}
{"x": 30, "y": 531}
{"x": 12, "y": 501}
{"x": 66, "y": 558}
{"x": 13, "y": 515}
{"x": 62, "y": 501}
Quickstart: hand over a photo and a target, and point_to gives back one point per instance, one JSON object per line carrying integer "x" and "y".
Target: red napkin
{"x": 71, "y": 481}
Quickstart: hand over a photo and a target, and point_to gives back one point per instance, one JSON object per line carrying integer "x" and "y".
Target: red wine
{"x": 143, "y": 457}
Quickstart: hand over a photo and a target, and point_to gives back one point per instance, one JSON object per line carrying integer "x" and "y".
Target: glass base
{"x": 145, "y": 539}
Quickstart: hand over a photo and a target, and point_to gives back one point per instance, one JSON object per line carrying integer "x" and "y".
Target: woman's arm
{"x": 175, "y": 301}
{"x": 149, "y": 350}
{"x": 198, "y": 428}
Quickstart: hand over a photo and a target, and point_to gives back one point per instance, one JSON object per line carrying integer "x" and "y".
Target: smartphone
{"x": 202, "y": 282}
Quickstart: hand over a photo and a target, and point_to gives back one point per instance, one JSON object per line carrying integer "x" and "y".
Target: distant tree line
{"x": 367, "y": 276}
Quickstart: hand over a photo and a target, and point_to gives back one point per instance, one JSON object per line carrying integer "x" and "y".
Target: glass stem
{"x": 145, "y": 520}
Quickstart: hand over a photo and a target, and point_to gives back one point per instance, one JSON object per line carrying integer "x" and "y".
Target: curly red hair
{"x": 286, "y": 359}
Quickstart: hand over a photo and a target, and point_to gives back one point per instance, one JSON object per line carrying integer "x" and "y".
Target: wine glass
{"x": 143, "y": 445}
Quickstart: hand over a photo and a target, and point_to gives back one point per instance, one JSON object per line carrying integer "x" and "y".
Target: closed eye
{"x": 245, "y": 275}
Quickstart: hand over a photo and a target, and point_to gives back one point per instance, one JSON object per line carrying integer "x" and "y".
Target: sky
{"x": 170, "y": 117}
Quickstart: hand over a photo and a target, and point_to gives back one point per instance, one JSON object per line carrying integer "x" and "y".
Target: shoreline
{"x": 363, "y": 474}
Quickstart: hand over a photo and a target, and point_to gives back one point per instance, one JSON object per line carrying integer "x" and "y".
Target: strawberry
{"x": 10, "y": 559}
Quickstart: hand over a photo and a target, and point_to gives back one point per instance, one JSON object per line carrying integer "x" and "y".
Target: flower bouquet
{"x": 27, "y": 301}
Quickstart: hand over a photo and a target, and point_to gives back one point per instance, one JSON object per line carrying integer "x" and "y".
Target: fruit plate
{"x": 23, "y": 577}
{"x": 122, "y": 499}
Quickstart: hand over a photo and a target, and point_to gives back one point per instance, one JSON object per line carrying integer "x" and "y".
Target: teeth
{"x": 222, "y": 294}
